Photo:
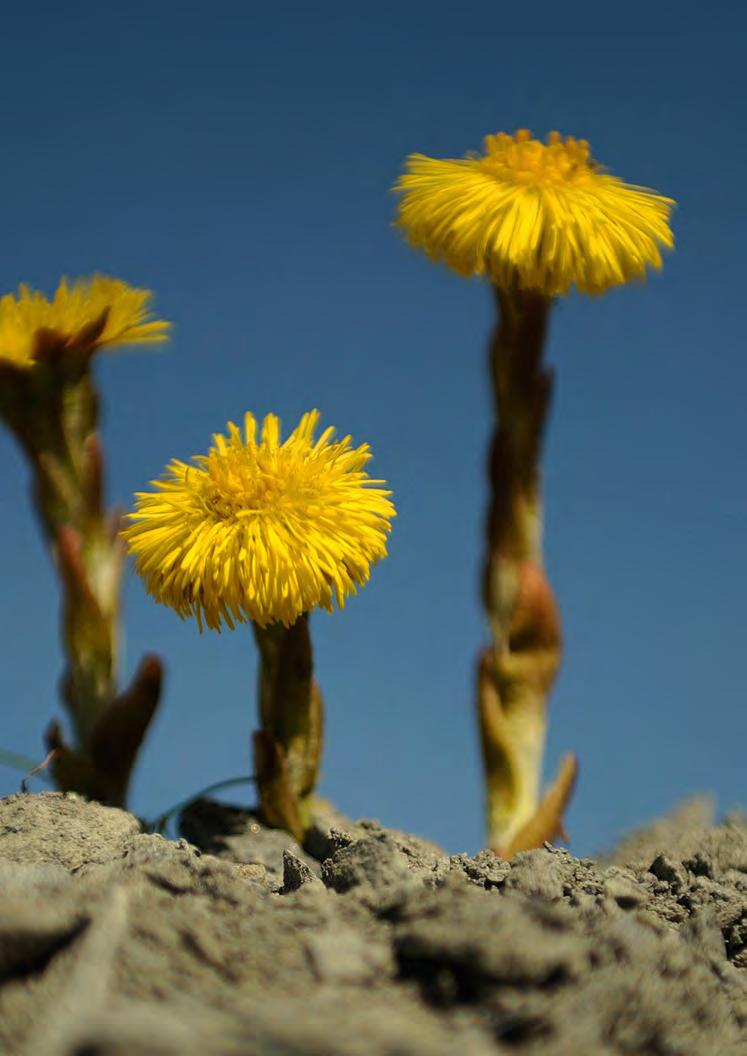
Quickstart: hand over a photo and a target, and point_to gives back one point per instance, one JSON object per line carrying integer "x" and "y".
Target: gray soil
{"x": 115, "y": 942}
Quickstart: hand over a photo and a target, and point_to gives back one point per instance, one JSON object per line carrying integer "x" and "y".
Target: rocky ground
{"x": 114, "y": 942}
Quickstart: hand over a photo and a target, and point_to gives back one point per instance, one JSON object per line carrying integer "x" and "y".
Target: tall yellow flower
{"x": 544, "y": 217}
{"x": 122, "y": 311}
{"x": 261, "y": 530}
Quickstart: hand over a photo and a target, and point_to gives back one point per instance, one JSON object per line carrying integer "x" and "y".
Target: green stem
{"x": 288, "y": 745}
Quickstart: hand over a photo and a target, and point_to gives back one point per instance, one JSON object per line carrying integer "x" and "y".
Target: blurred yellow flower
{"x": 123, "y": 310}
{"x": 261, "y": 530}
{"x": 543, "y": 216}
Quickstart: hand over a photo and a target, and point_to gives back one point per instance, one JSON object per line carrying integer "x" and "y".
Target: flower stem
{"x": 53, "y": 411}
{"x": 288, "y": 745}
{"x": 516, "y": 673}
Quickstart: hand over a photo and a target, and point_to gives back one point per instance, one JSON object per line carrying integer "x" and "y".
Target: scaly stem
{"x": 517, "y": 672}
{"x": 52, "y": 408}
{"x": 288, "y": 745}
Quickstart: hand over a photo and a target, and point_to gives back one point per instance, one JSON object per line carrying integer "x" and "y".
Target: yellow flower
{"x": 72, "y": 309}
{"x": 261, "y": 530}
{"x": 544, "y": 216}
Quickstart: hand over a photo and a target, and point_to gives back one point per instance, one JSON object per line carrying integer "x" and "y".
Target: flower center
{"x": 521, "y": 159}
{"x": 243, "y": 495}
{"x": 241, "y": 484}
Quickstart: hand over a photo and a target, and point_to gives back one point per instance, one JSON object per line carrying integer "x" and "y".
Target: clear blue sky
{"x": 237, "y": 159}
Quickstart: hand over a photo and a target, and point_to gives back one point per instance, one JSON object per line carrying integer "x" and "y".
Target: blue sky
{"x": 237, "y": 158}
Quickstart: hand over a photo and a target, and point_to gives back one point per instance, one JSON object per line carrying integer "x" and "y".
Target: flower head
{"x": 107, "y": 310}
{"x": 260, "y": 529}
{"x": 544, "y": 216}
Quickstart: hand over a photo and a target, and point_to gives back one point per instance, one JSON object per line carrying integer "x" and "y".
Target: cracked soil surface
{"x": 115, "y": 942}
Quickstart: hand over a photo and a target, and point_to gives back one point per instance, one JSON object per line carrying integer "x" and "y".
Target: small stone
{"x": 663, "y": 868}
{"x": 297, "y": 874}
{"x": 536, "y": 873}
{"x": 699, "y": 865}
{"x": 375, "y": 860}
